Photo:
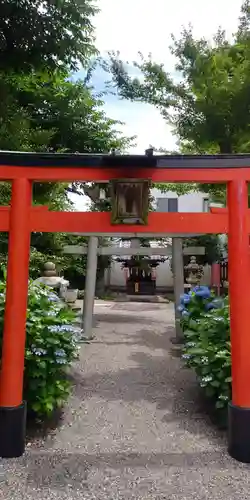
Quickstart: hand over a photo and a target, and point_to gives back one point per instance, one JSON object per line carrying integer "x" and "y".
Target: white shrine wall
{"x": 115, "y": 277}
{"x": 192, "y": 202}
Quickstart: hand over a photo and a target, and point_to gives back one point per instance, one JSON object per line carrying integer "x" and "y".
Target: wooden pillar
{"x": 238, "y": 262}
{"x": 215, "y": 277}
{"x": 178, "y": 276}
{"x": 12, "y": 407}
{"x": 89, "y": 293}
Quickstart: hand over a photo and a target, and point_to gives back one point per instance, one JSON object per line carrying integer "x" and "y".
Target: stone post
{"x": 178, "y": 276}
{"x": 90, "y": 283}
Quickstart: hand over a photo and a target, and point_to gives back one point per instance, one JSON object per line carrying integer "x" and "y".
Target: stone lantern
{"x": 195, "y": 272}
{"x": 49, "y": 270}
{"x": 50, "y": 278}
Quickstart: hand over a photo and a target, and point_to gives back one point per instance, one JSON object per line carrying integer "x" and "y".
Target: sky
{"x": 130, "y": 26}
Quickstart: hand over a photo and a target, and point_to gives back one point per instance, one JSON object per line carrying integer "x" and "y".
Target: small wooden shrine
{"x": 140, "y": 274}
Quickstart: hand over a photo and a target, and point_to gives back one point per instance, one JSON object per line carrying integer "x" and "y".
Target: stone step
{"x": 147, "y": 298}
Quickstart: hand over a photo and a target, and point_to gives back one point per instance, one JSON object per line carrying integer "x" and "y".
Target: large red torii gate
{"x": 22, "y": 218}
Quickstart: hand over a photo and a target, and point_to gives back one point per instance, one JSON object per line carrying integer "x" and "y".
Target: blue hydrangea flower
{"x": 38, "y": 351}
{"x": 186, "y": 356}
{"x": 60, "y": 353}
{"x": 209, "y": 306}
{"x": 61, "y": 361}
{"x": 218, "y": 303}
{"x": 53, "y": 297}
{"x": 68, "y": 328}
{"x": 185, "y": 313}
{"x": 191, "y": 344}
{"x": 215, "y": 304}
{"x": 202, "y": 291}
{"x": 180, "y": 308}
{"x": 61, "y": 328}
{"x": 51, "y": 313}
{"x": 54, "y": 328}
{"x": 207, "y": 379}
{"x": 185, "y": 298}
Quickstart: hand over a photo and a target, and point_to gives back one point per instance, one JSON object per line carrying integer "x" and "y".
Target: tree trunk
{"x": 226, "y": 147}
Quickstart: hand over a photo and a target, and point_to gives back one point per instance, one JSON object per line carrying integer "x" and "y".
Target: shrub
{"x": 50, "y": 348}
{"x": 205, "y": 322}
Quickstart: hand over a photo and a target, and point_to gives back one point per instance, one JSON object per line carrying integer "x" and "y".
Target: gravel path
{"x": 133, "y": 428}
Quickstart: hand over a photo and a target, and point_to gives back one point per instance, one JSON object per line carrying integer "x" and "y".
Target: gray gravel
{"x": 134, "y": 427}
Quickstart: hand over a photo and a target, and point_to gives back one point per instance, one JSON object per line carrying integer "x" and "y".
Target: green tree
{"x": 42, "y": 109}
{"x": 57, "y": 115}
{"x": 208, "y": 106}
{"x": 37, "y": 34}
{"x": 211, "y": 103}
{"x": 61, "y": 115}
{"x": 212, "y": 244}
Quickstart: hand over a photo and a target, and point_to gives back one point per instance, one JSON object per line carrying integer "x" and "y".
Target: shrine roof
{"x": 85, "y": 160}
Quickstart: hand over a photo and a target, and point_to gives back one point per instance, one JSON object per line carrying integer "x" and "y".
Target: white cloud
{"x": 142, "y": 121}
{"x": 132, "y": 25}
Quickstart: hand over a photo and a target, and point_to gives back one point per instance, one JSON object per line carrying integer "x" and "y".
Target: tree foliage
{"x": 37, "y": 34}
{"x": 212, "y": 244}
{"x": 42, "y": 108}
{"x": 56, "y": 114}
{"x": 208, "y": 105}
{"x": 206, "y": 326}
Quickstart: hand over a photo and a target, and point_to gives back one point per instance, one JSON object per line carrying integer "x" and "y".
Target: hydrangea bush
{"x": 51, "y": 347}
{"x": 205, "y": 322}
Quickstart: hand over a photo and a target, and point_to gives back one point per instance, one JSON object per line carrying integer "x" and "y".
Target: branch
{"x": 93, "y": 192}
{"x": 73, "y": 189}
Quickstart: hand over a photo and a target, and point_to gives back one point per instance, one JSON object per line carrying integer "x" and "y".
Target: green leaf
{"x": 205, "y": 370}
{"x": 215, "y": 383}
{"x": 49, "y": 406}
{"x": 220, "y": 404}
{"x": 209, "y": 391}
{"x": 36, "y": 406}
{"x": 195, "y": 351}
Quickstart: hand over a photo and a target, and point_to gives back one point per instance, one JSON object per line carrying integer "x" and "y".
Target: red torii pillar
{"x": 238, "y": 267}
{"x": 12, "y": 406}
{"x": 239, "y": 274}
